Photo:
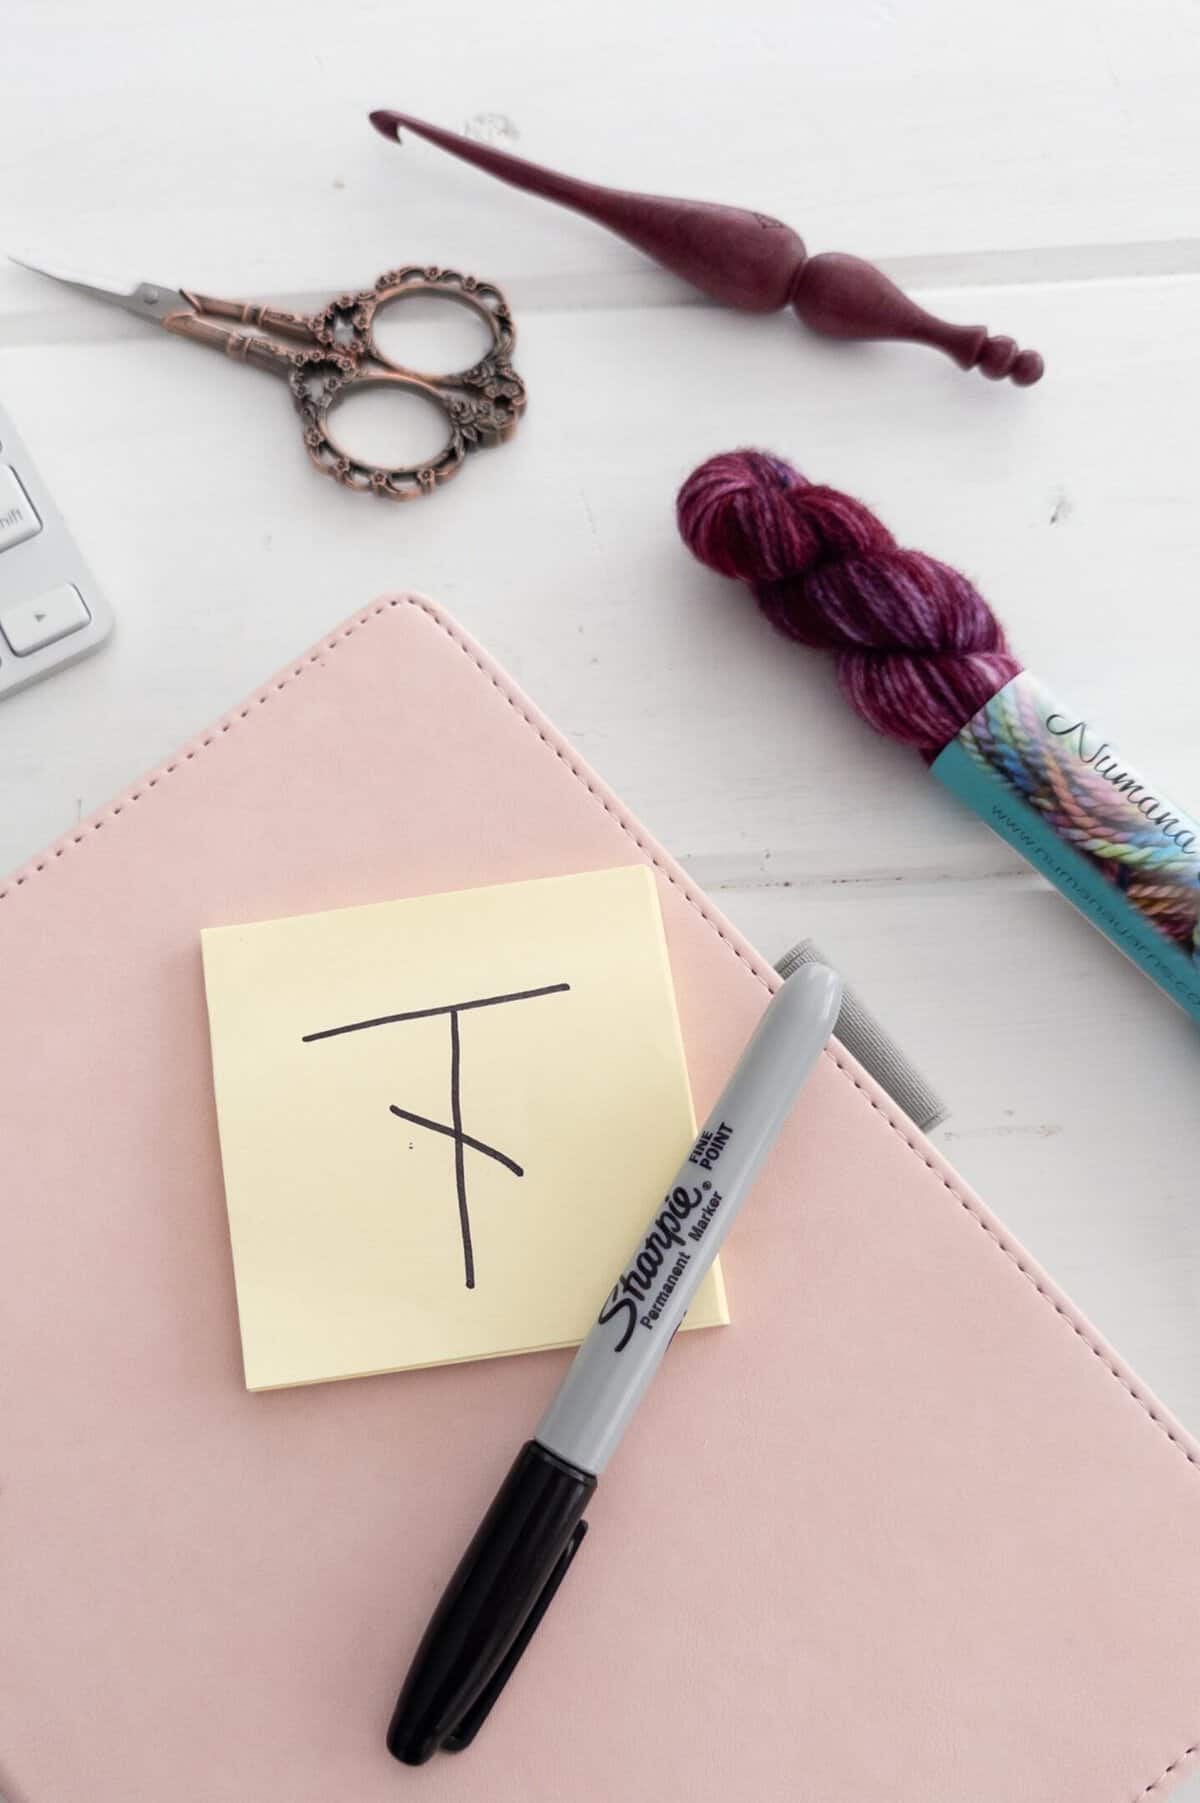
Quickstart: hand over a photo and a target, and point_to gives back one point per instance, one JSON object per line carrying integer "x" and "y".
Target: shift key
{"x": 18, "y": 521}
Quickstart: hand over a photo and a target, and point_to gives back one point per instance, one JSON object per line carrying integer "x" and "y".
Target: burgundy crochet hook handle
{"x": 745, "y": 259}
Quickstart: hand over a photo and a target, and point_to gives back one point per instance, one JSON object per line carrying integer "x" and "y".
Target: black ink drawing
{"x": 455, "y": 1130}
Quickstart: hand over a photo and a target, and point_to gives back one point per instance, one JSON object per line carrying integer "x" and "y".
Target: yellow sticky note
{"x": 444, "y": 1121}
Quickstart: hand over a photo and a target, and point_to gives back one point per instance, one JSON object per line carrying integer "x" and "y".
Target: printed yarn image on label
{"x": 1059, "y": 764}
{"x": 1045, "y": 779}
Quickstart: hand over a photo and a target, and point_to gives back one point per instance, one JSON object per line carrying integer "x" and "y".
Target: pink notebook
{"x": 907, "y": 1530}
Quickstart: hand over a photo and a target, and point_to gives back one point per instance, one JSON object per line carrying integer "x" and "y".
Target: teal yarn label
{"x": 1053, "y": 786}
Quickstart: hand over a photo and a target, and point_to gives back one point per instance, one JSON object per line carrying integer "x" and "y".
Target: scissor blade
{"x": 145, "y": 298}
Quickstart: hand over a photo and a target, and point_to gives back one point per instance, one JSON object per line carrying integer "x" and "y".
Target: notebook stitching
{"x": 691, "y": 897}
{"x": 685, "y": 889}
{"x": 1166, "y": 1771}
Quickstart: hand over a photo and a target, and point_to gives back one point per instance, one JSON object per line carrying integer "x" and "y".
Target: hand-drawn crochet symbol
{"x": 454, "y": 1129}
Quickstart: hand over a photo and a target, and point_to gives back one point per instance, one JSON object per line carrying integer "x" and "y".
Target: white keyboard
{"x": 51, "y": 610}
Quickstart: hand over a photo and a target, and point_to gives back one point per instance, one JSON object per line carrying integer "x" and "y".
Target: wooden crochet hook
{"x": 745, "y": 259}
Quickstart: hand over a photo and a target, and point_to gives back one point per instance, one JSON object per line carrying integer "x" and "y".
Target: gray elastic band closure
{"x": 874, "y": 1047}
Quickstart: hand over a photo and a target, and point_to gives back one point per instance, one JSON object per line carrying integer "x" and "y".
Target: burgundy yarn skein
{"x": 917, "y": 649}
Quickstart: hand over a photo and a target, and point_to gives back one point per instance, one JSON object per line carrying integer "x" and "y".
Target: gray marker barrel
{"x": 615, "y": 1364}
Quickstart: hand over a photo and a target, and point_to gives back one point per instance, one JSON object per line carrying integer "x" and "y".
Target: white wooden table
{"x": 1037, "y": 168}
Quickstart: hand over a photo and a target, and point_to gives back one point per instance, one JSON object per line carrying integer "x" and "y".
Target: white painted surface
{"x": 1038, "y": 168}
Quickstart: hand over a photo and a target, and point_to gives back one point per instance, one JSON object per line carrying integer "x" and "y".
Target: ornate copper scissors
{"x": 332, "y": 354}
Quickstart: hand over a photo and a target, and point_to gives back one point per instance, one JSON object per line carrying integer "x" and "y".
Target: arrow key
{"x": 31, "y": 625}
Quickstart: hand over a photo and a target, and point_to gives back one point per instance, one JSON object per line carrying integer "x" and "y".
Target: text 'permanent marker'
{"x": 522, "y": 1548}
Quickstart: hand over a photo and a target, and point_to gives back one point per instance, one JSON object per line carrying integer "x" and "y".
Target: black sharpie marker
{"x": 521, "y": 1551}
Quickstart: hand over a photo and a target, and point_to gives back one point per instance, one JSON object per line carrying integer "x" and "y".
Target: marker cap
{"x": 491, "y": 1607}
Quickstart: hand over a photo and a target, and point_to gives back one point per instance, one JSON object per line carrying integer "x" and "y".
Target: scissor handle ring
{"x": 480, "y": 298}
{"x": 319, "y": 389}
{"x": 348, "y": 322}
